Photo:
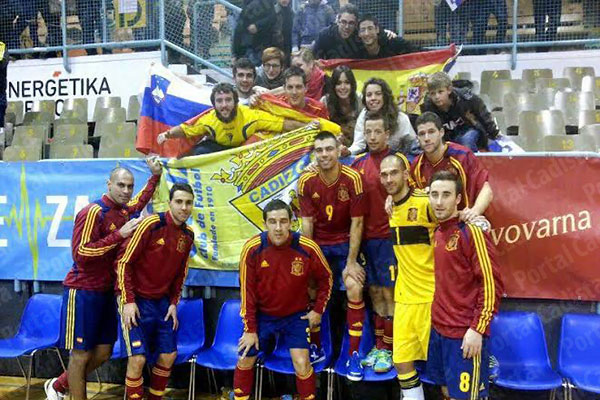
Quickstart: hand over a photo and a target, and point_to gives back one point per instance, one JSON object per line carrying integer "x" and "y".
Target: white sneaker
{"x": 51, "y": 393}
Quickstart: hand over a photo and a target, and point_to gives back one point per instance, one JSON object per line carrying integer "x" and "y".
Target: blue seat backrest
{"x": 579, "y": 340}
{"x": 229, "y": 328}
{"x": 190, "y": 314}
{"x": 518, "y": 338}
{"x": 41, "y": 317}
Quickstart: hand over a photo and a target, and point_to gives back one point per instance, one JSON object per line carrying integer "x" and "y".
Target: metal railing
{"x": 200, "y": 31}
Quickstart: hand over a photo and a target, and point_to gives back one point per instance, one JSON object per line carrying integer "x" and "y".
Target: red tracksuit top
{"x": 376, "y": 223}
{"x": 153, "y": 262}
{"x": 274, "y": 279}
{"x": 459, "y": 160}
{"x": 96, "y": 237}
{"x": 468, "y": 285}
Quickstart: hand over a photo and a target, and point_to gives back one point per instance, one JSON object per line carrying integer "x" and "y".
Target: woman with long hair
{"x": 343, "y": 102}
{"x": 377, "y": 97}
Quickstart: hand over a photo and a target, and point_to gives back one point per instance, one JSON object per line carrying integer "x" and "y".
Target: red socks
{"x": 388, "y": 333}
{"x": 355, "y": 315}
{"x": 306, "y": 385}
{"x": 61, "y": 384}
{"x": 379, "y": 327}
{"x": 134, "y": 388}
{"x": 158, "y": 382}
{"x": 243, "y": 379}
{"x": 315, "y": 336}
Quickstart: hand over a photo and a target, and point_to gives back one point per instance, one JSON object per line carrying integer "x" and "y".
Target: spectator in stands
{"x": 377, "y": 45}
{"x": 150, "y": 31}
{"x": 270, "y": 73}
{"x": 244, "y": 75}
{"x": 295, "y": 88}
{"x": 480, "y": 12}
{"x": 202, "y": 32}
{"x": 228, "y": 125}
{"x": 552, "y": 9}
{"x": 343, "y": 102}
{"x": 377, "y": 97}
{"x": 457, "y": 20}
{"x": 282, "y": 30}
{"x": 384, "y": 10}
{"x": 315, "y": 77}
{"x": 466, "y": 119}
{"x": 339, "y": 40}
{"x": 90, "y": 20}
{"x": 27, "y": 12}
{"x": 312, "y": 17}
{"x": 254, "y": 30}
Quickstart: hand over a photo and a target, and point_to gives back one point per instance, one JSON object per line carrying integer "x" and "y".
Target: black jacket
{"x": 392, "y": 47}
{"x": 282, "y": 29}
{"x": 329, "y": 44}
{"x": 260, "y": 13}
{"x": 463, "y": 102}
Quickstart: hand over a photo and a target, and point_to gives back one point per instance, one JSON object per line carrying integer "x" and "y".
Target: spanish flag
{"x": 406, "y": 74}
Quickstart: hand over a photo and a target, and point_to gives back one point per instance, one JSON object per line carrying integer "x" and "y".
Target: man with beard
{"x": 244, "y": 74}
{"x": 151, "y": 269}
{"x": 380, "y": 46}
{"x": 228, "y": 124}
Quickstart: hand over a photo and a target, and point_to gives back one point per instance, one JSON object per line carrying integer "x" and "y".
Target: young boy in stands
{"x": 466, "y": 119}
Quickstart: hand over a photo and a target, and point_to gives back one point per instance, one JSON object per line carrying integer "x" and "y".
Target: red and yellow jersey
{"x": 459, "y": 160}
{"x": 96, "y": 237}
{"x": 331, "y": 206}
{"x": 153, "y": 261}
{"x": 468, "y": 285}
{"x": 274, "y": 280}
{"x": 376, "y": 219}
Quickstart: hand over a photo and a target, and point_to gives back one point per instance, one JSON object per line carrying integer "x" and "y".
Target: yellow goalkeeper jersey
{"x": 412, "y": 225}
{"x": 246, "y": 123}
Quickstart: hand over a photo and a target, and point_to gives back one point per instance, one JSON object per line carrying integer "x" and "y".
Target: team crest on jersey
{"x": 412, "y": 214}
{"x": 181, "y": 244}
{"x": 298, "y": 267}
{"x": 112, "y": 227}
{"x": 160, "y": 242}
{"x": 343, "y": 194}
{"x": 453, "y": 242}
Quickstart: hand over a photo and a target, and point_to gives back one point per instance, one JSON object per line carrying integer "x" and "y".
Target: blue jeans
{"x": 468, "y": 137}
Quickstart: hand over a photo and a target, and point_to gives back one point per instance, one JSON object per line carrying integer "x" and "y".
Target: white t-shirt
{"x": 403, "y": 134}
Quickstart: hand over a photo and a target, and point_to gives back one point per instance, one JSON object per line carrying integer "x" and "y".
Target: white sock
{"x": 415, "y": 393}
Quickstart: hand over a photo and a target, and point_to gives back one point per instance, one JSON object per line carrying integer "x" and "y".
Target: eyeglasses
{"x": 271, "y": 66}
{"x": 348, "y": 23}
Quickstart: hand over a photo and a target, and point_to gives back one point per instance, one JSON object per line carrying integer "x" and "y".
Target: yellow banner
{"x": 130, "y": 15}
{"x": 231, "y": 189}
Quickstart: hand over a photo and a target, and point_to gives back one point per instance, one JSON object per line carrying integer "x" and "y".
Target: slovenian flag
{"x": 406, "y": 74}
{"x": 167, "y": 101}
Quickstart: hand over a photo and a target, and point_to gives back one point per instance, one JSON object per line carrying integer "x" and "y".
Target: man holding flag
{"x": 228, "y": 124}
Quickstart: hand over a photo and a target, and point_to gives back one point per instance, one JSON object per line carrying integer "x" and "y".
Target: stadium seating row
{"x": 517, "y": 341}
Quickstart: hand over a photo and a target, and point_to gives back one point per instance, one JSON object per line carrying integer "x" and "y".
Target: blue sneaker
{"x": 494, "y": 366}
{"x": 287, "y": 397}
{"x": 383, "y": 362}
{"x": 355, "y": 369}
{"x": 370, "y": 359}
{"x": 316, "y": 354}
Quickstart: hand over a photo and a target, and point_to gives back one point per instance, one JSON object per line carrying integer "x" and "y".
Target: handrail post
{"x": 104, "y": 18}
{"x": 161, "y": 24}
{"x": 63, "y": 26}
{"x": 513, "y": 58}
{"x": 400, "y": 18}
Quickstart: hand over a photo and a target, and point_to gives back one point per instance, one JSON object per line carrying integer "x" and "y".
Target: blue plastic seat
{"x": 190, "y": 335}
{"x": 39, "y": 329}
{"x": 222, "y": 355}
{"x": 579, "y": 351}
{"x": 519, "y": 344}
{"x": 366, "y": 344}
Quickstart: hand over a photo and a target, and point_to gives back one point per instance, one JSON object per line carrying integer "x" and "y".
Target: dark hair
{"x": 116, "y": 170}
{"x": 445, "y": 175}
{"x": 349, "y": 8}
{"x": 223, "y": 87}
{"x": 180, "y": 186}
{"x": 389, "y": 108}
{"x": 429, "y": 116}
{"x": 243, "y": 63}
{"x": 368, "y": 17}
{"x": 294, "y": 71}
{"x": 275, "y": 205}
{"x": 376, "y": 116}
{"x": 325, "y": 135}
{"x": 333, "y": 104}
